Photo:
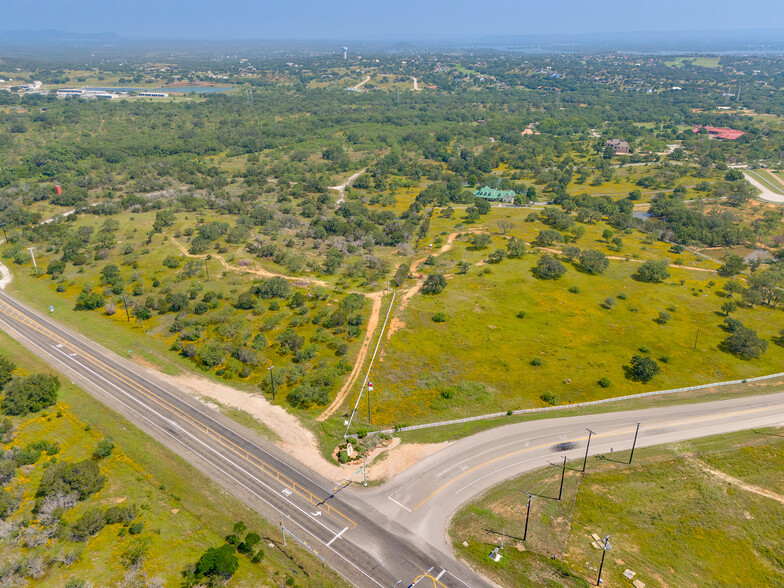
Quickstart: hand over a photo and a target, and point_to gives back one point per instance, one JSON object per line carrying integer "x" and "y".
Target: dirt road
{"x": 259, "y": 271}
{"x": 359, "y": 85}
{"x": 375, "y": 314}
{"x": 341, "y": 188}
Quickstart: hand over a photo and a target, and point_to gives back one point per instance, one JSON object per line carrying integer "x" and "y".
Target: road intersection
{"x": 385, "y": 536}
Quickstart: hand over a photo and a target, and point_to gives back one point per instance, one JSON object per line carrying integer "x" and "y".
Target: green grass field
{"x": 669, "y": 520}
{"x": 183, "y": 513}
{"x": 479, "y": 360}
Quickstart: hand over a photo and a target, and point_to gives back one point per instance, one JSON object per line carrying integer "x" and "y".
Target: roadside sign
{"x": 370, "y": 386}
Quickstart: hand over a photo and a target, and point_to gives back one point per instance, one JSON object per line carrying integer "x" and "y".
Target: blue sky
{"x": 366, "y": 19}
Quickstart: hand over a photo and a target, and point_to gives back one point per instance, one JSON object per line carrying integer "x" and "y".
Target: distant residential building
{"x": 619, "y": 147}
{"x": 720, "y": 132}
{"x": 153, "y": 94}
{"x": 488, "y": 193}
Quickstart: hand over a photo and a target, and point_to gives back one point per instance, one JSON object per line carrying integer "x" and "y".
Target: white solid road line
{"x": 399, "y": 504}
{"x": 213, "y": 464}
{"x": 337, "y": 536}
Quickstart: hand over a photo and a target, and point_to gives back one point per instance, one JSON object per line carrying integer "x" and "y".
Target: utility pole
{"x": 127, "y": 314}
{"x": 30, "y": 249}
{"x": 604, "y": 552}
{"x": 364, "y": 469}
{"x": 369, "y": 390}
{"x": 635, "y": 442}
{"x": 206, "y": 269}
{"x": 587, "y": 445}
{"x": 527, "y": 514}
{"x": 563, "y": 473}
{"x": 272, "y": 380}
{"x": 284, "y": 534}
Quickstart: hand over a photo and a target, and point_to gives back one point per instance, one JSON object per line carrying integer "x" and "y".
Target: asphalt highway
{"x": 425, "y": 496}
{"x": 387, "y": 536}
{"x": 364, "y": 546}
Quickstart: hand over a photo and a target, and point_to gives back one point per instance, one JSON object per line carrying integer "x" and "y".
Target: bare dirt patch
{"x": 735, "y": 481}
{"x": 259, "y": 271}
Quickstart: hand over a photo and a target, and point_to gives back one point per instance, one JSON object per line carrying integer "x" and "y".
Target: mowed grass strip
{"x": 767, "y": 180}
{"x": 669, "y": 520}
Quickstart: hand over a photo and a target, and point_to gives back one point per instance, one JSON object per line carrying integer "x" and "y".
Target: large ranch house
{"x": 493, "y": 195}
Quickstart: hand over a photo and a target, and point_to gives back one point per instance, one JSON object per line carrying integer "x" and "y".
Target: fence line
{"x": 578, "y": 404}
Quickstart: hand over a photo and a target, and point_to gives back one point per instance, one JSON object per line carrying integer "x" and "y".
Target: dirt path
{"x": 375, "y": 314}
{"x": 396, "y": 324}
{"x": 359, "y": 85}
{"x": 416, "y": 85}
{"x": 248, "y": 270}
{"x": 735, "y": 481}
{"x": 341, "y": 189}
{"x": 619, "y": 258}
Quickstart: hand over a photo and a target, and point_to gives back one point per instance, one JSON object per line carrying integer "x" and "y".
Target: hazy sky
{"x": 363, "y": 19}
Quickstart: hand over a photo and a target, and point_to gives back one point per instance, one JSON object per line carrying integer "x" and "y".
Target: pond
{"x": 747, "y": 253}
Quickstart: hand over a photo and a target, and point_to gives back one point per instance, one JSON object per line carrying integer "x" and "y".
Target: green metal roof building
{"x": 505, "y": 196}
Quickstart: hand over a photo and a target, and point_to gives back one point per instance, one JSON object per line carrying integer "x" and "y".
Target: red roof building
{"x": 721, "y": 133}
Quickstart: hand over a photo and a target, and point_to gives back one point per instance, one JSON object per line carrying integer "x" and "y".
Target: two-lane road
{"x": 424, "y": 497}
{"x": 391, "y": 535}
{"x": 367, "y": 548}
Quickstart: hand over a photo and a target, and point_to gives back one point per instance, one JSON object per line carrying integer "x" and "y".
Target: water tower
{"x": 345, "y": 52}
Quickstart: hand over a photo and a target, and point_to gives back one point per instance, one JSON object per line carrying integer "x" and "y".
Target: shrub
{"x": 218, "y": 562}
{"x": 258, "y": 557}
{"x": 549, "y": 268}
{"x": 593, "y": 261}
{"x": 652, "y": 271}
{"x": 136, "y": 528}
{"x": 89, "y": 301}
{"x": 121, "y": 513}
{"x": 521, "y": 314}
{"x": 574, "y": 289}
{"x": 536, "y": 361}
{"x": 643, "y": 368}
{"x": 608, "y": 303}
{"x": 550, "y": 398}
{"x": 103, "y": 450}
{"x": 434, "y": 284}
{"x": 83, "y": 477}
{"x": 439, "y": 317}
{"x": 211, "y": 353}
{"x": 29, "y": 394}
{"x": 90, "y": 523}
{"x": 7, "y": 368}
{"x": 604, "y": 382}
{"x": 745, "y": 344}
{"x": 143, "y": 313}
{"x": 621, "y": 296}
{"x": 663, "y": 317}
{"x": 343, "y": 456}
